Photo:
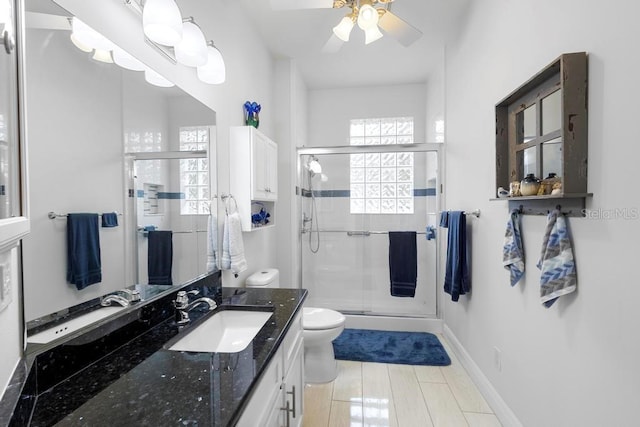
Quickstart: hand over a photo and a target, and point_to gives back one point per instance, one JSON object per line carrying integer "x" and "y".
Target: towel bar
{"x": 53, "y": 215}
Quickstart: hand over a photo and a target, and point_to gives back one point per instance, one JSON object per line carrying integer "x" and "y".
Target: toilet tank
{"x": 265, "y": 278}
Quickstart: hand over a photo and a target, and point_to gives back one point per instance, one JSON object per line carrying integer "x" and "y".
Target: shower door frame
{"x": 438, "y": 148}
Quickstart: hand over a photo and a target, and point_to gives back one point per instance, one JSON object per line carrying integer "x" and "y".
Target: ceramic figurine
{"x": 502, "y": 193}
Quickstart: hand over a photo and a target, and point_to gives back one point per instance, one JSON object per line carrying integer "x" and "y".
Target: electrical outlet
{"x": 497, "y": 358}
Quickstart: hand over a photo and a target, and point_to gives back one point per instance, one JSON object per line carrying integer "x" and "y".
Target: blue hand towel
{"x": 512, "y": 252}
{"x": 160, "y": 257}
{"x": 444, "y": 219}
{"x": 83, "y": 250}
{"x": 556, "y": 261}
{"x": 403, "y": 264}
{"x": 456, "y": 280}
{"x": 110, "y": 219}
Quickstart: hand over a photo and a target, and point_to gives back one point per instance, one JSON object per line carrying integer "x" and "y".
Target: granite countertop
{"x": 143, "y": 384}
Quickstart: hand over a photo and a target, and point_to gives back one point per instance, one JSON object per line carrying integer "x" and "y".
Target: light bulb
{"x": 123, "y": 59}
{"x": 156, "y": 79}
{"x": 162, "y": 22}
{"x": 372, "y": 34}
{"x": 88, "y": 37}
{"x": 343, "y": 29}
{"x": 77, "y": 43}
{"x": 367, "y": 17}
{"x": 213, "y": 72}
{"x": 192, "y": 49}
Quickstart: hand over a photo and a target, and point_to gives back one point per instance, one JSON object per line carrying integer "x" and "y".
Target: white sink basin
{"x": 73, "y": 325}
{"x": 228, "y": 331}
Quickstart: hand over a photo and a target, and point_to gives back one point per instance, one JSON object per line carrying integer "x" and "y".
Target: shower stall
{"x": 350, "y": 198}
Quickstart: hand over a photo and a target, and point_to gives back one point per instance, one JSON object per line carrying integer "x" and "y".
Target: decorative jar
{"x": 529, "y": 185}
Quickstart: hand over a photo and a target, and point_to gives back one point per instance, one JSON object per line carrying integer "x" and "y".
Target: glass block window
{"x": 381, "y": 183}
{"x": 194, "y": 173}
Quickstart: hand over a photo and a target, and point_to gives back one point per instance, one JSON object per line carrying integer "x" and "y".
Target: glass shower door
{"x": 348, "y": 211}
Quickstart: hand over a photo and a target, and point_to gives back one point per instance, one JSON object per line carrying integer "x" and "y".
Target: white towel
{"x": 212, "y": 243}
{"x": 232, "y": 245}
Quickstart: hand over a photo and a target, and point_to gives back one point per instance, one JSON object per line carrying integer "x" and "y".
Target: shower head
{"x": 313, "y": 166}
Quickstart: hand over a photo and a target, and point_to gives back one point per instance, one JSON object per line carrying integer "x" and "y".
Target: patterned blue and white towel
{"x": 556, "y": 261}
{"x": 512, "y": 252}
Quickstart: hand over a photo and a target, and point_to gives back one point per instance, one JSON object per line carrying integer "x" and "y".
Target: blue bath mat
{"x": 403, "y": 348}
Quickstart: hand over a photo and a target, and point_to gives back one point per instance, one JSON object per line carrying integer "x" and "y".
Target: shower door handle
{"x": 358, "y": 233}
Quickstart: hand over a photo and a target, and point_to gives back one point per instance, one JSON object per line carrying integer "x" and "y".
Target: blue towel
{"x": 556, "y": 261}
{"x": 110, "y": 219}
{"x": 512, "y": 252}
{"x": 160, "y": 257}
{"x": 456, "y": 279}
{"x": 83, "y": 250}
{"x": 403, "y": 263}
{"x": 444, "y": 219}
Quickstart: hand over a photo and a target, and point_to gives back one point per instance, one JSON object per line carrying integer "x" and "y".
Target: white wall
{"x": 10, "y": 318}
{"x": 574, "y": 364}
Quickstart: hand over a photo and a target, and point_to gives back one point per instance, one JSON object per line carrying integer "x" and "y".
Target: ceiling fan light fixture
{"x": 367, "y": 17}
{"x": 372, "y": 34}
{"x": 343, "y": 29}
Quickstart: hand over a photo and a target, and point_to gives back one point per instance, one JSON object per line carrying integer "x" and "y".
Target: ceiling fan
{"x": 370, "y": 15}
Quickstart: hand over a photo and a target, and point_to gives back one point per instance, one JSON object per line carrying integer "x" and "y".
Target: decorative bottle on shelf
{"x": 529, "y": 185}
{"x": 552, "y": 182}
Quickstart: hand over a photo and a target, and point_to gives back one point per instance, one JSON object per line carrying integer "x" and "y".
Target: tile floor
{"x": 378, "y": 394}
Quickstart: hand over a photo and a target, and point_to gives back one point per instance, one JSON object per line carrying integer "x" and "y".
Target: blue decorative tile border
{"x": 417, "y": 192}
{"x": 163, "y": 195}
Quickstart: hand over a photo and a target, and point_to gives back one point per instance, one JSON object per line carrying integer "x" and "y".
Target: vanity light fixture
{"x": 156, "y": 79}
{"x": 213, "y": 72}
{"x": 87, "y": 37}
{"x": 102, "y": 55}
{"x": 192, "y": 49}
{"x": 162, "y": 22}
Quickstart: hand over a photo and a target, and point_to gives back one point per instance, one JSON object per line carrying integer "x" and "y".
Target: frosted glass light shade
{"x": 88, "y": 37}
{"x": 162, "y": 22}
{"x": 192, "y": 49}
{"x": 213, "y": 72}
{"x": 156, "y": 79}
{"x": 343, "y": 29}
{"x": 80, "y": 45}
{"x": 102, "y": 55}
{"x": 372, "y": 34}
{"x": 367, "y": 17}
{"x": 124, "y": 60}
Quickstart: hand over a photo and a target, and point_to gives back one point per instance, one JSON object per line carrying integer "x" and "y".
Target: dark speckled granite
{"x": 141, "y": 383}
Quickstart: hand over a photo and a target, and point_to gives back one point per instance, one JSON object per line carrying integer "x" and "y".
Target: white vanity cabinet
{"x": 278, "y": 398}
{"x": 253, "y": 172}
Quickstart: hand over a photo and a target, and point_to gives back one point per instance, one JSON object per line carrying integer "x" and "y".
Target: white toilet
{"x": 321, "y": 327}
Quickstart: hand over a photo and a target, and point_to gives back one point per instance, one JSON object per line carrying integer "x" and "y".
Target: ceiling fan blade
{"x": 301, "y": 4}
{"x": 332, "y": 45}
{"x": 397, "y": 28}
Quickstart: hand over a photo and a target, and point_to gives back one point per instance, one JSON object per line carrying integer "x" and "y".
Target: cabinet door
{"x": 294, "y": 388}
{"x": 271, "y": 150}
{"x": 259, "y": 167}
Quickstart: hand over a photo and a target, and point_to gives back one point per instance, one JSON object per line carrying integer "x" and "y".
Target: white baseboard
{"x": 499, "y": 406}
{"x": 389, "y": 323}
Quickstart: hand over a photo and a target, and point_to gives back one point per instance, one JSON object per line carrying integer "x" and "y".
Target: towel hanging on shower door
{"x": 403, "y": 263}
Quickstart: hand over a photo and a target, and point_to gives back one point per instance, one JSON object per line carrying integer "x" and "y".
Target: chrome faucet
{"x": 131, "y": 296}
{"x": 183, "y": 306}
{"x": 106, "y": 301}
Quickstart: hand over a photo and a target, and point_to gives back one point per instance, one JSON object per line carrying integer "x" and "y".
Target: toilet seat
{"x": 321, "y": 318}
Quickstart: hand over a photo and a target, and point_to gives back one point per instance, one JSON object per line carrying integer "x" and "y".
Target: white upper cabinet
{"x": 253, "y": 173}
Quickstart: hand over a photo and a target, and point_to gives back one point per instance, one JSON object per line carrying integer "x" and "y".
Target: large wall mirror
{"x": 102, "y": 139}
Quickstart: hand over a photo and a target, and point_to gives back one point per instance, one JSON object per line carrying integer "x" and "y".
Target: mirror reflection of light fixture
{"x": 88, "y": 37}
{"x": 162, "y": 22}
{"x": 124, "y": 60}
{"x": 192, "y": 49}
{"x": 156, "y": 79}
{"x": 213, "y": 72}
{"x": 102, "y": 55}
